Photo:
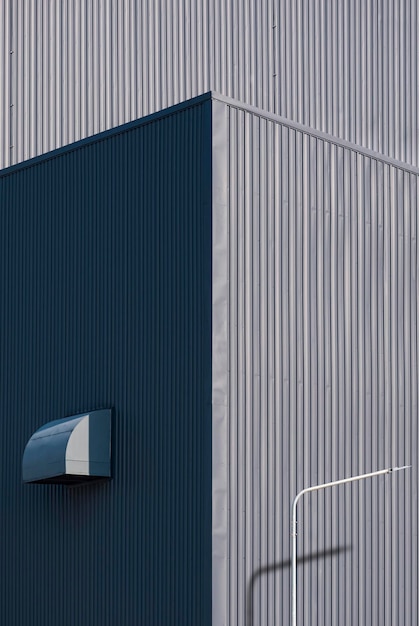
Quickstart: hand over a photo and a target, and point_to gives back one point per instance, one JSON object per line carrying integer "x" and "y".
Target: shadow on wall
{"x": 281, "y": 565}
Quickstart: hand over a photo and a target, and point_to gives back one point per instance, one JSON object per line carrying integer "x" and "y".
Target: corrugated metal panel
{"x": 5, "y": 78}
{"x": 105, "y": 281}
{"x": 348, "y": 68}
{"x": 321, "y": 377}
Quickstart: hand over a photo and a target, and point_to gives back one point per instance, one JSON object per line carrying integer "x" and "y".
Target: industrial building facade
{"x": 238, "y": 288}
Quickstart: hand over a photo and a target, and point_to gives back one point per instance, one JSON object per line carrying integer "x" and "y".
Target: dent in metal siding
{"x": 106, "y": 289}
{"x": 347, "y": 68}
{"x": 322, "y": 345}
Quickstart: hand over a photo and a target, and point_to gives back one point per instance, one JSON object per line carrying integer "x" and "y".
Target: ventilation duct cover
{"x": 72, "y": 450}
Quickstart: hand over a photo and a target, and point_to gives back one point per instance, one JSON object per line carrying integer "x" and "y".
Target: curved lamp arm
{"x": 301, "y": 493}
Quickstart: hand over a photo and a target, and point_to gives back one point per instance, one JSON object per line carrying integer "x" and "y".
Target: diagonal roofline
{"x": 309, "y": 130}
{"x": 196, "y": 101}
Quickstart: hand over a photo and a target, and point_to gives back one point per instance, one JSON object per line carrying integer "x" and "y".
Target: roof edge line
{"x": 106, "y": 134}
{"x": 195, "y": 101}
{"x": 318, "y": 134}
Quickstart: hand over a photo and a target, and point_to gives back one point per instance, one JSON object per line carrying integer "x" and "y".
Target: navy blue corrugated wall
{"x": 105, "y": 277}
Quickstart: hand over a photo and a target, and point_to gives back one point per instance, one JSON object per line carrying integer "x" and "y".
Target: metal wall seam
{"x": 322, "y": 335}
{"x": 220, "y": 563}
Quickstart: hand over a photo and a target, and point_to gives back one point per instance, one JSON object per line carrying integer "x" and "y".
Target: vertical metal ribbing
{"x": 11, "y": 62}
{"x": 322, "y": 336}
{"x": 349, "y": 69}
{"x": 106, "y": 278}
{"x": 6, "y": 80}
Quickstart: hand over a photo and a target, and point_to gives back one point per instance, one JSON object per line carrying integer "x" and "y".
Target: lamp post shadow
{"x": 281, "y": 565}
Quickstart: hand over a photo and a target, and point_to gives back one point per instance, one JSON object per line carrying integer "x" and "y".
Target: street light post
{"x": 335, "y": 483}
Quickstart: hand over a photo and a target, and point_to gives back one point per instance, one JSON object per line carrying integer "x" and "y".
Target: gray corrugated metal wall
{"x": 317, "y": 378}
{"x": 70, "y": 69}
{"x": 106, "y": 283}
{"x": 315, "y": 373}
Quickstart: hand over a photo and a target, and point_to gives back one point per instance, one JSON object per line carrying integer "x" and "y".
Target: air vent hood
{"x": 72, "y": 450}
